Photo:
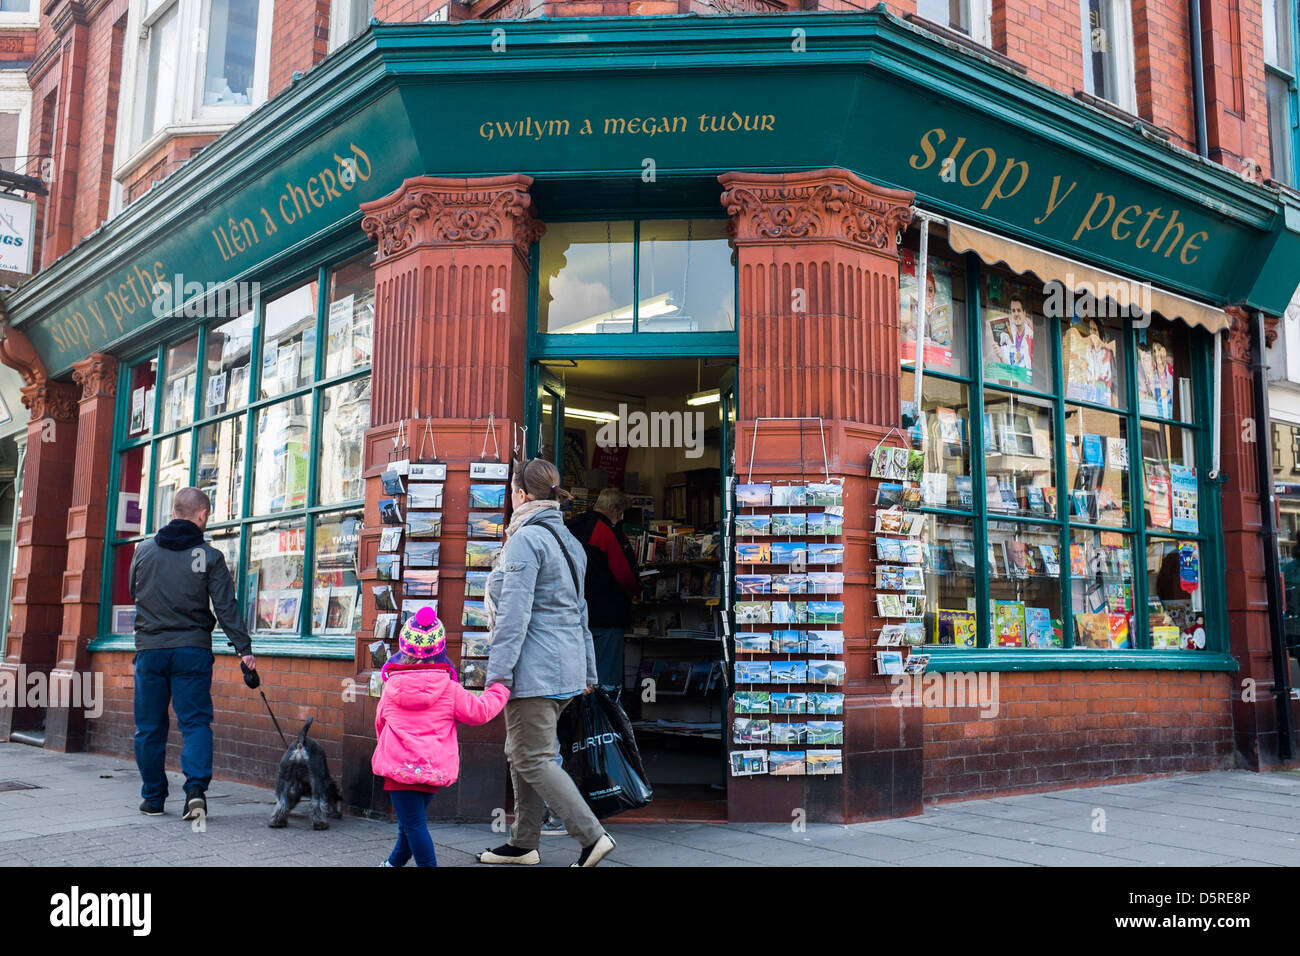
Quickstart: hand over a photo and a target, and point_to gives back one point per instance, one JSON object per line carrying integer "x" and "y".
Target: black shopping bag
{"x": 600, "y": 755}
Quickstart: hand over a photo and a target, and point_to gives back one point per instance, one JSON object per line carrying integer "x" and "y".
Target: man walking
{"x": 174, "y": 577}
{"x": 611, "y": 580}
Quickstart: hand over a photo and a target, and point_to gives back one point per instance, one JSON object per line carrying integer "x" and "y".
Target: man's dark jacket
{"x": 611, "y": 570}
{"x": 174, "y": 576}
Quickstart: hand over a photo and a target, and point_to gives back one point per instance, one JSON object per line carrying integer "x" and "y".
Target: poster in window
{"x": 1184, "y": 505}
{"x": 1157, "y": 498}
{"x": 217, "y": 390}
{"x": 1090, "y": 364}
{"x": 938, "y": 310}
{"x": 137, "y": 410}
{"x": 1010, "y": 344}
{"x": 129, "y": 517}
{"x": 123, "y": 618}
{"x": 1156, "y": 379}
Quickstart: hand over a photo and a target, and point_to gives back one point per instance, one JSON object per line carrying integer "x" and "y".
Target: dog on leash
{"x": 303, "y": 773}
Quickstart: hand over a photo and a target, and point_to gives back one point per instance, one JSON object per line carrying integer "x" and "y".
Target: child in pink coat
{"x": 416, "y": 751}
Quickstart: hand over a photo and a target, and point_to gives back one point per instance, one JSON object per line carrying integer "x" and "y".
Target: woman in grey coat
{"x": 542, "y": 651}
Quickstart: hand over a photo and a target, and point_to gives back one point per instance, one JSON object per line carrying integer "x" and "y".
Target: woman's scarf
{"x": 521, "y": 514}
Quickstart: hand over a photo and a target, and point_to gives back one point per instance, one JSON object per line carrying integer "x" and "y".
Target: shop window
{"x": 945, "y": 311}
{"x": 1024, "y": 585}
{"x": 643, "y": 276}
{"x": 1101, "y": 589}
{"x": 276, "y": 445}
{"x": 942, "y": 435}
{"x": 1097, "y": 466}
{"x": 1108, "y": 52}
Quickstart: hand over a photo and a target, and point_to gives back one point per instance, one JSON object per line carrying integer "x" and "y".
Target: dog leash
{"x": 254, "y": 680}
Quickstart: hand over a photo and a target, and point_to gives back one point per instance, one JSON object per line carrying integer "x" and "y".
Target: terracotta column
{"x": 818, "y": 313}
{"x": 65, "y": 725}
{"x": 36, "y": 614}
{"x": 451, "y": 300}
{"x": 1255, "y": 720}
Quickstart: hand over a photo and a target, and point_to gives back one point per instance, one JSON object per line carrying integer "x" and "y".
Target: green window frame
{"x": 309, "y": 514}
{"x": 1208, "y": 538}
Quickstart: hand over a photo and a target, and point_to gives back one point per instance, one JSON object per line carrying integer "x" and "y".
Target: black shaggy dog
{"x": 303, "y": 773}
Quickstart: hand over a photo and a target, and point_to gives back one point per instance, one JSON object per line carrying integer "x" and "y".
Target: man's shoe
{"x": 151, "y": 809}
{"x": 510, "y": 854}
{"x": 554, "y": 826}
{"x": 195, "y": 806}
{"x": 596, "y": 852}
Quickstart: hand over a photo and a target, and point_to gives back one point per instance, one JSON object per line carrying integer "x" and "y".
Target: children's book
{"x": 1008, "y": 624}
{"x": 1038, "y": 627}
{"x": 955, "y": 627}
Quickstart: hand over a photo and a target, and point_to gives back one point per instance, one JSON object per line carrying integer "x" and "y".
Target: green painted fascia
{"x": 946, "y": 660}
{"x": 1277, "y": 276}
{"x": 318, "y": 647}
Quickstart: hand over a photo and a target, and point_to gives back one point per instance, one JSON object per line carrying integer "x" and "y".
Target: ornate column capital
{"x": 53, "y": 400}
{"x": 97, "y": 376}
{"x": 431, "y": 211}
{"x": 821, "y": 205}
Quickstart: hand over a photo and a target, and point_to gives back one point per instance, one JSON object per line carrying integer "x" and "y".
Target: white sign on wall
{"x": 17, "y": 226}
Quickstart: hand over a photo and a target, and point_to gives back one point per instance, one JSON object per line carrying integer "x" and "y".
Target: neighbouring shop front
{"x": 1048, "y": 498}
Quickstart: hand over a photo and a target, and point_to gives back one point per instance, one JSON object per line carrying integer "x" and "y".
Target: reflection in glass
{"x": 945, "y": 324}
{"x": 585, "y": 282}
{"x": 122, "y": 606}
{"x": 221, "y": 466}
{"x": 1101, "y": 589}
{"x": 336, "y": 591}
{"x": 178, "y": 387}
{"x": 687, "y": 281}
{"x": 173, "y": 474}
{"x": 143, "y": 377}
{"x": 350, "y": 323}
{"x": 944, "y": 438}
{"x": 1097, "y": 463}
{"x": 132, "y": 491}
{"x": 1020, "y": 473}
{"x": 1175, "y": 594}
{"x": 948, "y": 552}
{"x": 289, "y": 341}
{"x": 232, "y": 49}
{"x": 273, "y": 587}
{"x": 280, "y": 437}
{"x": 345, "y": 415}
{"x": 229, "y": 360}
{"x": 1024, "y": 563}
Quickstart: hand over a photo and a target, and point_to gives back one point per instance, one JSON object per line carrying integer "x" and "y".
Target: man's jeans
{"x": 608, "y": 644}
{"x": 181, "y": 676}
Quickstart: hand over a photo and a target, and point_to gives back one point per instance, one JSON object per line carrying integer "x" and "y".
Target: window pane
{"x": 1176, "y": 609}
{"x": 1097, "y": 461}
{"x": 351, "y": 318}
{"x": 1169, "y": 474}
{"x": 132, "y": 491}
{"x": 289, "y": 341}
{"x": 1093, "y": 359}
{"x": 221, "y": 466}
{"x": 586, "y": 278}
{"x": 1017, "y": 338}
{"x": 173, "y": 474}
{"x": 345, "y": 416}
{"x": 949, "y": 562}
{"x": 9, "y": 149}
{"x": 1101, "y": 589}
{"x": 1102, "y": 49}
{"x": 232, "y": 49}
{"x": 687, "y": 280}
{"x": 178, "y": 388}
{"x": 227, "y": 542}
{"x": 280, "y": 435}
{"x": 945, "y": 440}
{"x": 143, "y": 377}
{"x": 945, "y": 323}
{"x": 1165, "y": 372}
{"x": 161, "y": 78}
{"x": 1024, "y": 564}
{"x": 274, "y": 584}
{"x": 1277, "y": 33}
{"x": 16, "y": 6}
{"x": 336, "y": 591}
{"x": 1020, "y": 470}
{"x": 1279, "y": 128}
{"x": 226, "y": 368}
{"x": 947, "y": 13}
{"x": 122, "y": 607}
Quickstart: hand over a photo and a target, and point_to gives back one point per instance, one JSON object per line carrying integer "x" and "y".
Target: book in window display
{"x": 938, "y": 310}
{"x": 955, "y": 627}
{"x": 1008, "y": 624}
{"x": 1009, "y": 344}
{"x": 1156, "y": 378}
{"x": 1090, "y": 361}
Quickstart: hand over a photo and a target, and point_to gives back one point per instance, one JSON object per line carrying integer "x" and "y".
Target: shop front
{"x": 1032, "y": 475}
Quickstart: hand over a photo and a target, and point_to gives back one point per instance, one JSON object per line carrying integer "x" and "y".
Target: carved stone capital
{"x": 1239, "y": 333}
{"x": 428, "y": 211}
{"x": 819, "y": 206}
{"x": 52, "y": 400}
{"x": 97, "y": 376}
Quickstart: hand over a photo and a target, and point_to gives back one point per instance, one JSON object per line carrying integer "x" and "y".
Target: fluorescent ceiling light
{"x": 584, "y": 414}
{"x": 707, "y": 397}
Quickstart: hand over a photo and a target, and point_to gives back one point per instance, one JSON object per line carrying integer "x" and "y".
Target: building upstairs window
{"x": 19, "y": 13}
{"x": 970, "y": 17}
{"x": 349, "y": 18}
{"x": 1108, "y": 52}
{"x": 1280, "y": 80}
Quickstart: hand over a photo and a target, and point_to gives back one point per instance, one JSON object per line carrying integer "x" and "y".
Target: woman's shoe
{"x": 510, "y": 854}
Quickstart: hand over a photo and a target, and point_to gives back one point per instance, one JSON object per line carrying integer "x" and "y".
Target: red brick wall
{"x": 247, "y": 748}
{"x": 300, "y": 39}
{"x": 1057, "y": 728}
{"x": 1162, "y": 67}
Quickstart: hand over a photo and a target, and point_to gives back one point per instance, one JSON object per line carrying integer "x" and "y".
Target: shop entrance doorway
{"x": 656, "y": 437}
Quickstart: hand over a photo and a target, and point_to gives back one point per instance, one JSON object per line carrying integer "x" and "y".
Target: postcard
{"x": 753, "y": 526}
{"x": 826, "y": 642}
{"x": 823, "y": 523}
{"x": 487, "y": 497}
{"x": 389, "y": 511}
{"x": 474, "y": 614}
{"x": 789, "y": 733}
{"x": 889, "y": 549}
{"x": 388, "y": 567}
{"x": 390, "y": 539}
{"x": 475, "y": 643}
{"x": 424, "y": 524}
{"x": 826, "y": 672}
{"x": 392, "y": 483}
{"x": 341, "y": 610}
{"x": 787, "y": 642}
{"x": 889, "y": 521}
{"x": 889, "y": 662}
{"x": 481, "y": 554}
{"x": 913, "y": 578}
{"x": 752, "y": 701}
{"x": 757, "y": 553}
{"x": 384, "y": 599}
{"x": 785, "y": 763}
{"x": 795, "y": 523}
{"x": 486, "y": 524}
{"x": 428, "y": 471}
{"x": 753, "y": 644}
{"x": 754, "y": 496}
{"x": 753, "y": 672}
{"x": 824, "y": 762}
{"x": 752, "y": 612}
{"x": 750, "y": 730}
{"x": 423, "y": 495}
{"x": 747, "y": 763}
{"x": 789, "y": 703}
{"x": 420, "y": 583}
{"x": 789, "y": 583}
{"x": 825, "y": 612}
{"x": 825, "y": 703}
{"x": 476, "y": 583}
{"x": 916, "y": 663}
{"x": 412, "y": 606}
{"x": 473, "y": 674}
{"x": 913, "y": 552}
{"x": 754, "y": 583}
{"x": 789, "y": 552}
{"x": 790, "y": 672}
{"x": 821, "y": 494}
{"x": 824, "y": 732}
{"x": 888, "y": 494}
{"x": 825, "y": 582}
{"x": 385, "y": 626}
{"x": 785, "y": 496}
{"x": 787, "y": 612}
{"x": 825, "y": 553}
{"x": 422, "y": 554}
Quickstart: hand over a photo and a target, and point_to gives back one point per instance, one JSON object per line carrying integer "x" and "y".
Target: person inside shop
{"x": 611, "y": 581}
{"x": 177, "y": 580}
